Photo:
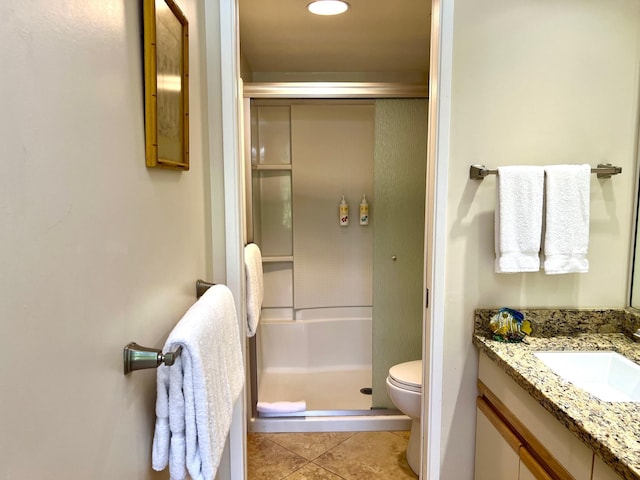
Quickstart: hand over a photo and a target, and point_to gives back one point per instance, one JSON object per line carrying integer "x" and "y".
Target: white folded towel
{"x": 566, "y": 238}
{"x": 195, "y": 396}
{"x": 281, "y": 407}
{"x": 518, "y": 218}
{"x": 255, "y": 286}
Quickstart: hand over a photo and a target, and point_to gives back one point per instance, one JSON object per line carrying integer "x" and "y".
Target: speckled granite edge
{"x": 630, "y": 321}
{"x": 552, "y": 323}
{"x": 612, "y": 430}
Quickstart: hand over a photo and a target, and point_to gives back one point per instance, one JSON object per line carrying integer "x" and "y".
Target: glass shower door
{"x": 398, "y": 244}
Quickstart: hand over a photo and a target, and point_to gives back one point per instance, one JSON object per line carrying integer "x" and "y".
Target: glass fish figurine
{"x": 509, "y": 325}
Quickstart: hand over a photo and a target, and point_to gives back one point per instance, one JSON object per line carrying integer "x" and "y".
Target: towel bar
{"x": 604, "y": 170}
{"x": 137, "y": 357}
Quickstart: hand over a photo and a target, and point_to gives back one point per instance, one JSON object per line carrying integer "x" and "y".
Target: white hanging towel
{"x": 566, "y": 238}
{"x": 195, "y": 396}
{"x": 255, "y": 286}
{"x": 518, "y": 218}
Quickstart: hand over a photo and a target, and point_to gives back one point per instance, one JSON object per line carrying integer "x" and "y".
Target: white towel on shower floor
{"x": 282, "y": 407}
{"x": 195, "y": 396}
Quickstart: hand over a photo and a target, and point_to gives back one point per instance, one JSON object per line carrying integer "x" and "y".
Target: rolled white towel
{"x": 282, "y": 407}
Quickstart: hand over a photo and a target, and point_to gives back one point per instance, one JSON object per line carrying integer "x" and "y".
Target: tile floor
{"x": 328, "y": 456}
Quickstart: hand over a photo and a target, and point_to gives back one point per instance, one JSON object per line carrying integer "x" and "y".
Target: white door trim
{"x": 226, "y": 68}
{"x": 435, "y": 236}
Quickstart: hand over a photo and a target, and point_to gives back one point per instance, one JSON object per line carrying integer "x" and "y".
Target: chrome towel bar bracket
{"x": 603, "y": 170}
{"x": 137, "y": 357}
{"x": 201, "y": 287}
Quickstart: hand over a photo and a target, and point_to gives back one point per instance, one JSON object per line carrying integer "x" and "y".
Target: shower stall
{"x": 342, "y": 303}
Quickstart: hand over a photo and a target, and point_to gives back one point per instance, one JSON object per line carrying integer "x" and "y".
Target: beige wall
{"x": 97, "y": 250}
{"x": 400, "y": 77}
{"x": 533, "y": 83}
{"x": 245, "y": 69}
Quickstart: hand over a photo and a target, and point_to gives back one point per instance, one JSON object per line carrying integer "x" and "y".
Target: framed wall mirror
{"x": 166, "y": 81}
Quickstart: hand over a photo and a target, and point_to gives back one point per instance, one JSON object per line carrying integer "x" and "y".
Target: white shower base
{"x": 337, "y": 390}
{"x": 324, "y": 358}
{"x": 319, "y": 339}
{"x": 325, "y": 392}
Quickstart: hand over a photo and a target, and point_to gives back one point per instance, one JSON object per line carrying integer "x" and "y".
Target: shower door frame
{"x": 310, "y": 90}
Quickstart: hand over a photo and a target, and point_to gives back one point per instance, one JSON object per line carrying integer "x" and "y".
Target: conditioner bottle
{"x": 343, "y": 213}
{"x": 364, "y": 211}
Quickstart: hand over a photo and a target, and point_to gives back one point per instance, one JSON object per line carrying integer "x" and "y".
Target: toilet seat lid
{"x": 407, "y": 375}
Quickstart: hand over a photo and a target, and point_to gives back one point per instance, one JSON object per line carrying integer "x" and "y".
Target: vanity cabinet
{"x": 545, "y": 448}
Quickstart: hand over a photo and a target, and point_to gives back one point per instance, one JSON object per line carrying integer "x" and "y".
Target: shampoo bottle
{"x": 364, "y": 211}
{"x": 344, "y": 213}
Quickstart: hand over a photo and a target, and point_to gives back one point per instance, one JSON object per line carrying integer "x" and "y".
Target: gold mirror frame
{"x": 166, "y": 82}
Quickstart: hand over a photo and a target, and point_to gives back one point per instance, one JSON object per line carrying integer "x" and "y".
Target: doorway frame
{"x": 438, "y": 139}
{"x": 306, "y": 93}
{"x": 440, "y": 89}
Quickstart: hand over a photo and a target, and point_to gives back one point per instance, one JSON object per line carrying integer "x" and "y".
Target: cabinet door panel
{"x": 525, "y": 473}
{"x": 496, "y": 458}
{"x": 530, "y": 469}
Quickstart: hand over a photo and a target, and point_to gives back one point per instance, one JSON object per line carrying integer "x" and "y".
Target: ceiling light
{"x": 328, "y": 7}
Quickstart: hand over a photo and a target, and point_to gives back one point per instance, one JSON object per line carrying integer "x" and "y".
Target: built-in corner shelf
{"x": 265, "y": 166}
{"x": 279, "y": 258}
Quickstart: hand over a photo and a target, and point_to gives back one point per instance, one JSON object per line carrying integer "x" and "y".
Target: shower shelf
{"x": 278, "y": 258}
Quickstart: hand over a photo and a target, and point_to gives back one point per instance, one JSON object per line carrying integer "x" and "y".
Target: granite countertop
{"x": 610, "y": 429}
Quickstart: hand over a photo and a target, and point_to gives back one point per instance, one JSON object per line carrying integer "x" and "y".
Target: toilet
{"x": 404, "y": 384}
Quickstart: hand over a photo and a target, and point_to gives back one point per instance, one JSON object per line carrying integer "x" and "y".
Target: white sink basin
{"x": 608, "y": 376}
